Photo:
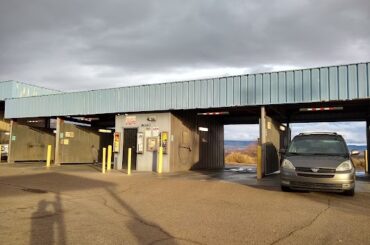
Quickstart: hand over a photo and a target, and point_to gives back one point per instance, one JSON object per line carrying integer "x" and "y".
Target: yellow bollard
{"x": 259, "y": 161}
{"x": 129, "y": 161}
{"x": 103, "y": 163}
{"x": 160, "y": 160}
{"x": 109, "y": 158}
{"x": 48, "y": 157}
{"x": 366, "y": 162}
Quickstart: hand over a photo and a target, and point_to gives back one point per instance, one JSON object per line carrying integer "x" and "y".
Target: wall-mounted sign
{"x": 116, "y": 140}
{"x": 140, "y": 143}
{"x": 164, "y": 141}
{"x": 152, "y": 144}
{"x": 14, "y": 137}
{"x": 148, "y": 133}
{"x": 130, "y": 120}
{"x": 155, "y": 132}
{"x": 65, "y": 141}
{"x": 70, "y": 134}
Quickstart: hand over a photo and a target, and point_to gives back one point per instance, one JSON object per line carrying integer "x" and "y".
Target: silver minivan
{"x": 318, "y": 162}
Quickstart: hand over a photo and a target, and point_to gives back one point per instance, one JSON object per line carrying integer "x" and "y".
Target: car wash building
{"x": 185, "y": 118}
{"x": 14, "y": 89}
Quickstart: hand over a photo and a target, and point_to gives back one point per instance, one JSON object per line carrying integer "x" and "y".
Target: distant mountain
{"x": 237, "y": 144}
{"x": 356, "y": 147}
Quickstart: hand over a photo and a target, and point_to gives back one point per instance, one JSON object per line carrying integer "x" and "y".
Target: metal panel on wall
{"x": 299, "y": 86}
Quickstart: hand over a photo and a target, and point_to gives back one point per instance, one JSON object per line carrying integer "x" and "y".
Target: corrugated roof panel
{"x": 343, "y": 83}
{"x": 237, "y": 88}
{"x": 282, "y": 87}
{"x": 230, "y": 91}
{"x": 324, "y": 84}
{"x": 362, "y": 81}
{"x": 251, "y": 89}
{"x": 204, "y": 94}
{"x": 333, "y": 83}
{"x": 15, "y": 89}
{"x": 210, "y": 93}
{"x": 243, "y": 90}
{"x": 308, "y": 85}
{"x": 216, "y": 92}
{"x": 185, "y": 97}
{"x": 266, "y": 88}
{"x": 197, "y": 94}
{"x": 274, "y": 88}
{"x": 259, "y": 89}
{"x": 298, "y": 86}
{"x": 223, "y": 92}
{"x": 352, "y": 82}
{"x": 290, "y": 86}
{"x": 315, "y": 85}
{"x": 191, "y": 94}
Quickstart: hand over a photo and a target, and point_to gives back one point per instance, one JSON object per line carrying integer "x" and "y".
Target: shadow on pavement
{"x": 47, "y": 223}
{"x": 137, "y": 221}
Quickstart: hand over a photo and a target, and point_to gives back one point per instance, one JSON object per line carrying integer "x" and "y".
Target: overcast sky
{"x": 82, "y": 45}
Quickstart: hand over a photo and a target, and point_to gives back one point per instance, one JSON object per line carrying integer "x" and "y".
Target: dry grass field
{"x": 359, "y": 162}
{"x": 244, "y": 156}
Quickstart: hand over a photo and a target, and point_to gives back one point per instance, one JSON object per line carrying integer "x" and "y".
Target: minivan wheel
{"x": 349, "y": 192}
{"x": 285, "y": 188}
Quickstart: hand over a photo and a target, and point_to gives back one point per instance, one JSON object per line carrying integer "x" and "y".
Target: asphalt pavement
{"x": 79, "y": 205}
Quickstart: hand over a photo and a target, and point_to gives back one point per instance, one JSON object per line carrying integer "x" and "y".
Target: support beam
{"x": 10, "y": 155}
{"x": 260, "y": 164}
{"x": 58, "y": 143}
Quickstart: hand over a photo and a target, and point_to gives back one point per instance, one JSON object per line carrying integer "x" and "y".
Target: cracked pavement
{"x": 78, "y": 205}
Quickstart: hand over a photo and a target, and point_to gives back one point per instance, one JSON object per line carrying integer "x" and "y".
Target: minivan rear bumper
{"x": 338, "y": 183}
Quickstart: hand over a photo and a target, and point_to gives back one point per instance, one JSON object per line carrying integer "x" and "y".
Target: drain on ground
{"x": 34, "y": 190}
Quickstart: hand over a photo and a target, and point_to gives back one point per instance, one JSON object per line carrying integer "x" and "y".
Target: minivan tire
{"x": 350, "y": 192}
{"x": 285, "y": 188}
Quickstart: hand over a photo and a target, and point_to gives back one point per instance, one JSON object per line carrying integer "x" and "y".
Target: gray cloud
{"x": 73, "y": 45}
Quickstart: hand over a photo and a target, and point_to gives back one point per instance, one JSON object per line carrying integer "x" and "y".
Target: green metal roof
{"x": 332, "y": 83}
{"x": 15, "y": 89}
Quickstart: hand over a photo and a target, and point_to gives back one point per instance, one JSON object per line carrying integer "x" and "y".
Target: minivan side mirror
{"x": 354, "y": 152}
{"x": 282, "y": 151}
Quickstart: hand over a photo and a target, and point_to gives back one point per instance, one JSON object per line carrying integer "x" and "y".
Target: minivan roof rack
{"x": 312, "y": 133}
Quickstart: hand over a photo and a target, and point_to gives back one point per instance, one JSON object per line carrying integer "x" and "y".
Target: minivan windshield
{"x": 318, "y": 145}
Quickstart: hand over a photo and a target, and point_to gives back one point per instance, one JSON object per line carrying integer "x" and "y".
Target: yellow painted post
{"x": 366, "y": 162}
{"x": 109, "y": 160}
{"x": 160, "y": 160}
{"x": 103, "y": 163}
{"x": 129, "y": 161}
{"x": 48, "y": 157}
{"x": 259, "y": 161}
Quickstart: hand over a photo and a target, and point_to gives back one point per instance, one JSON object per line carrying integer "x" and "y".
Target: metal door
{"x": 129, "y": 141}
